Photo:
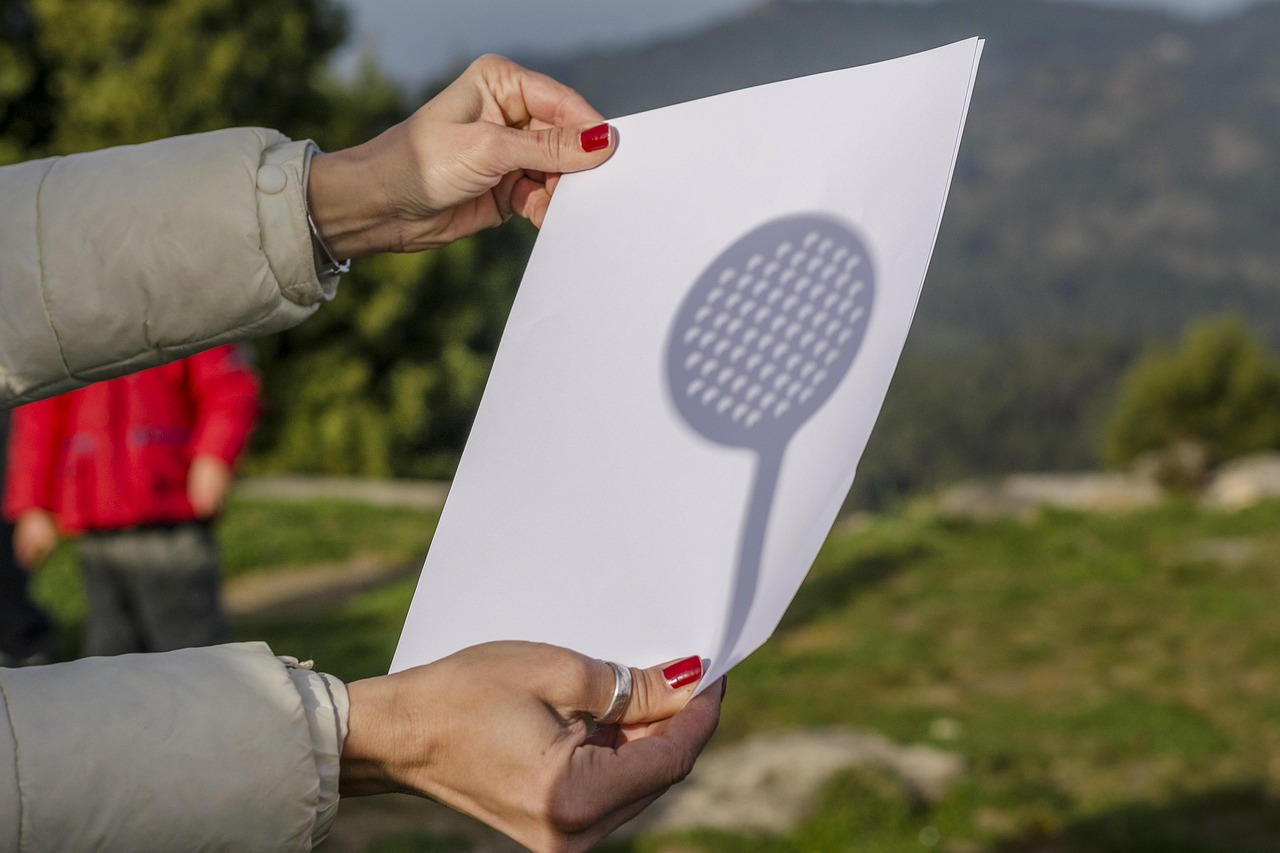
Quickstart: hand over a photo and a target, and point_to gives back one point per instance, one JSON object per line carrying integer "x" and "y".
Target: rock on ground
{"x": 770, "y": 782}
{"x": 1022, "y": 495}
{"x": 1244, "y": 482}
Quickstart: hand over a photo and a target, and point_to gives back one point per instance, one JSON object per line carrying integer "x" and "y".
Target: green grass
{"x": 1113, "y": 683}
{"x": 1106, "y": 678}
{"x": 257, "y": 535}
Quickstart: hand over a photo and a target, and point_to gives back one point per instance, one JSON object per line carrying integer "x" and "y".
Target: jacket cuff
{"x": 325, "y": 705}
{"x": 286, "y": 234}
{"x": 190, "y": 750}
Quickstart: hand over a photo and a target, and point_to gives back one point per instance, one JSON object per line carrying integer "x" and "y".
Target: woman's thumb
{"x": 555, "y": 149}
{"x": 661, "y": 691}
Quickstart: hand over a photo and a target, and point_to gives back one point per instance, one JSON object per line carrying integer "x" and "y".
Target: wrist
{"x": 347, "y": 205}
{"x": 376, "y": 738}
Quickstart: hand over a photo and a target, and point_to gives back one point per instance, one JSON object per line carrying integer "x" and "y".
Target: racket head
{"x": 769, "y": 329}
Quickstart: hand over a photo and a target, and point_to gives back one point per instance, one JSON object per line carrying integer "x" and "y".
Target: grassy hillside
{"x": 1111, "y": 682}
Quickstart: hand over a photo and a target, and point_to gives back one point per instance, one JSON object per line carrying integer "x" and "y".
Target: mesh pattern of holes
{"x": 767, "y": 334}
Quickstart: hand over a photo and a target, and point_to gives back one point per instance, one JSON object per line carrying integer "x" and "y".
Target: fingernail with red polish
{"x": 683, "y": 672}
{"x": 596, "y": 138}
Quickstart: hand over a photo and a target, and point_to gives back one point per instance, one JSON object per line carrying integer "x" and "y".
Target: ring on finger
{"x": 621, "y": 694}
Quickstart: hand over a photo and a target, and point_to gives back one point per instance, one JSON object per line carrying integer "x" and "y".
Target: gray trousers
{"x": 151, "y": 589}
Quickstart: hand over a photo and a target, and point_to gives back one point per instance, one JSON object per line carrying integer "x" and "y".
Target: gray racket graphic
{"x": 759, "y": 344}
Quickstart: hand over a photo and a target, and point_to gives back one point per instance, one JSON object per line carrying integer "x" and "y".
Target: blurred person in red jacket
{"x": 139, "y": 467}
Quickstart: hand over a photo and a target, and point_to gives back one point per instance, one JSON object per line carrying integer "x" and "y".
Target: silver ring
{"x": 621, "y": 694}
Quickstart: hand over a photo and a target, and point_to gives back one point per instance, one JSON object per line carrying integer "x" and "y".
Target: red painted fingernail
{"x": 683, "y": 672}
{"x": 596, "y": 138}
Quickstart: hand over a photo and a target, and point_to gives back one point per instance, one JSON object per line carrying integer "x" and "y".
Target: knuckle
{"x": 575, "y": 670}
{"x": 571, "y": 816}
{"x": 571, "y": 93}
{"x": 486, "y": 144}
{"x": 556, "y": 843}
{"x": 488, "y": 62}
{"x": 681, "y": 768}
{"x": 642, "y": 693}
{"x": 552, "y": 143}
{"x": 677, "y": 767}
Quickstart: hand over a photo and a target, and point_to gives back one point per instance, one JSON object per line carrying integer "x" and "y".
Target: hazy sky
{"x": 420, "y": 39}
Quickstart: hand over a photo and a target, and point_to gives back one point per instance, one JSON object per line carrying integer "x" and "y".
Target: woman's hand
{"x": 498, "y": 731}
{"x": 490, "y": 145}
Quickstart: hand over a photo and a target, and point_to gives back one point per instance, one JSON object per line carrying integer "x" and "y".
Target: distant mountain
{"x": 1120, "y": 171}
{"x": 1119, "y": 176}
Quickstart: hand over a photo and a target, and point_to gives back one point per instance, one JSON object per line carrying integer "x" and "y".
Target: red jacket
{"x": 116, "y": 454}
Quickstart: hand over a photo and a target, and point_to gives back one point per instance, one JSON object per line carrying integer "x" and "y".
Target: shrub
{"x": 1218, "y": 391}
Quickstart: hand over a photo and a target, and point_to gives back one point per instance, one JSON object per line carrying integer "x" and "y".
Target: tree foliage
{"x": 1219, "y": 390}
{"x": 1013, "y": 405}
{"x": 386, "y": 379}
{"x": 126, "y": 71}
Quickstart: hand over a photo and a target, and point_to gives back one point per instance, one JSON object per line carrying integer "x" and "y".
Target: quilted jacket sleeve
{"x": 226, "y": 748}
{"x": 121, "y": 259}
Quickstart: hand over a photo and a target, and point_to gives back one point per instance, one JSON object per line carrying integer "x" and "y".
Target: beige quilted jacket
{"x": 112, "y": 262}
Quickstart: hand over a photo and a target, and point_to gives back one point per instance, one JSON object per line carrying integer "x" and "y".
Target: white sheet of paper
{"x": 601, "y": 504}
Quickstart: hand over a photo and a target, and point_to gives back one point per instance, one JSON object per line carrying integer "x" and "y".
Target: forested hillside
{"x": 1120, "y": 174}
{"x": 1120, "y": 169}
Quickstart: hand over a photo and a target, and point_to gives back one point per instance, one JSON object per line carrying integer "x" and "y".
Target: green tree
{"x": 1219, "y": 390}
{"x": 386, "y": 379}
{"x": 126, "y": 71}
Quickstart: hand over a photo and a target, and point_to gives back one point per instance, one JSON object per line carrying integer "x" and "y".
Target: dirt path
{"x": 414, "y": 494}
{"x": 303, "y": 589}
